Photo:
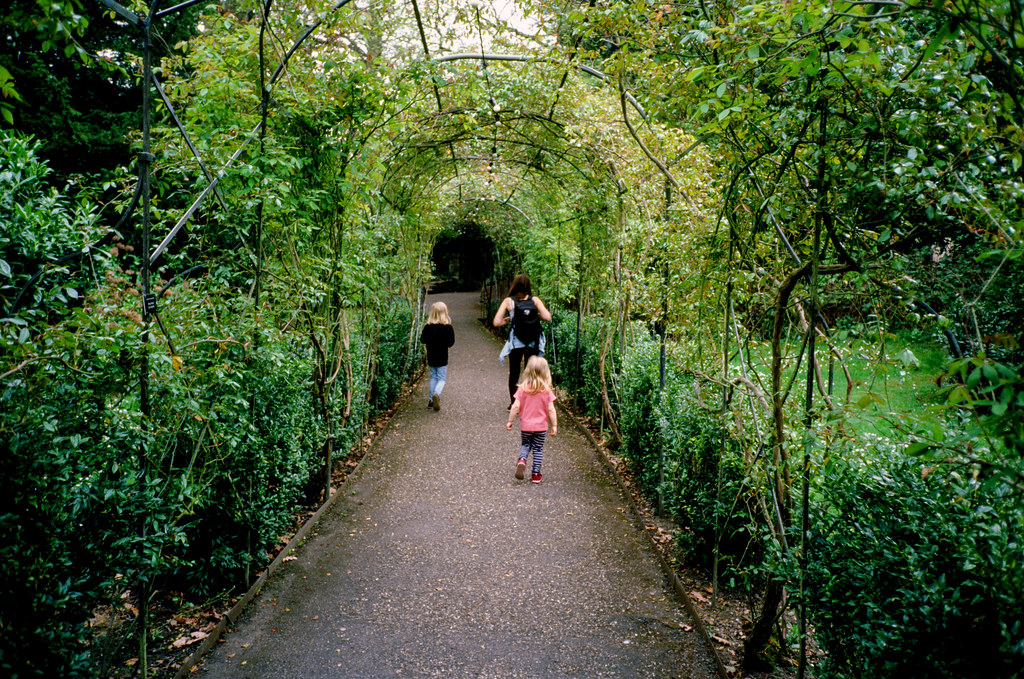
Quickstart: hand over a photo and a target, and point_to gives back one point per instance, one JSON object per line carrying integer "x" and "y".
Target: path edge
{"x": 189, "y": 664}
{"x": 666, "y": 567}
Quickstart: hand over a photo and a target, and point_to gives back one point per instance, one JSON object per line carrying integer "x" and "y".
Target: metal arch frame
{"x": 149, "y": 78}
{"x": 145, "y": 25}
{"x": 438, "y": 181}
{"x": 559, "y": 156}
{"x": 278, "y": 71}
{"x": 484, "y": 58}
{"x": 505, "y": 203}
{"x": 526, "y": 59}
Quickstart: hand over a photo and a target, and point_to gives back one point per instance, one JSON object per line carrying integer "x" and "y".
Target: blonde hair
{"x": 439, "y": 314}
{"x": 536, "y": 376}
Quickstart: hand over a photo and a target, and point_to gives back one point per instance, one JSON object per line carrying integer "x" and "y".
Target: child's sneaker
{"x": 536, "y": 477}
{"x": 521, "y": 469}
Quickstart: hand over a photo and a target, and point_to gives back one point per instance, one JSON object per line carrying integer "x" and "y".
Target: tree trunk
{"x": 758, "y": 654}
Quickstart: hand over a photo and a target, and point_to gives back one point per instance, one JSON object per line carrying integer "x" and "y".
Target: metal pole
{"x": 579, "y": 312}
{"x": 146, "y": 159}
{"x": 822, "y": 191}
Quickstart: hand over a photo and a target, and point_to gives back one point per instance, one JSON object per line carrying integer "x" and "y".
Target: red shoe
{"x": 521, "y": 469}
{"x": 536, "y": 477}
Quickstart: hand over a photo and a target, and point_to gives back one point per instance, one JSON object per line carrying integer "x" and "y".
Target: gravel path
{"x": 437, "y": 562}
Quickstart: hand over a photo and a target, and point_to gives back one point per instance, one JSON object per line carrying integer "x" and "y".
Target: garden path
{"x": 437, "y": 562}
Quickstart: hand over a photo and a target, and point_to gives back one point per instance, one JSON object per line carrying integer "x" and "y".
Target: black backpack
{"x": 526, "y": 321}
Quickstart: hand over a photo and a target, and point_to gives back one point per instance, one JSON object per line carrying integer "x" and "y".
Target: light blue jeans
{"x": 438, "y": 375}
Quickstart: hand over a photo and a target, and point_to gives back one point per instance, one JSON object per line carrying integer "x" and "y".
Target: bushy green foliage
{"x": 641, "y": 421}
{"x": 393, "y": 355}
{"x": 704, "y": 478}
{"x": 193, "y": 493}
{"x": 74, "y": 495}
{"x": 912, "y": 569}
{"x": 250, "y": 452}
{"x": 93, "y": 502}
{"x": 673, "y": 441}
{"x": 579, "y": 358}
{"x": 914, "y": 572}
{"x": 676, "y": 445}
{"x": 39, "y": 225}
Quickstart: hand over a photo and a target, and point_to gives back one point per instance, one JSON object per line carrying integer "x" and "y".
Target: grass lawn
{"x": 891, "y": 377}
{"x": 894, "y": 380}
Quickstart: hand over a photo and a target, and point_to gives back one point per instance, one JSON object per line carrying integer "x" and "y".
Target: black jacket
{"x": 438, "y": 337}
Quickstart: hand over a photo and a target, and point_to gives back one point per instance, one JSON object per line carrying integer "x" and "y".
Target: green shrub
{"x": 394, "y": 357}
{"x": 40, "y": 226}
{"x": 192, "y": 497}
{"x": 642, "y": 436}
{"x": 705, "y": 482}
{"x": 577, "y": 367}
{"x": 913, "y": 573}
{"x": 73, "y": 496}
{"x": 351, "y": 416}
{"x": 256, "y": 458}
{"x": 675, "y": 446}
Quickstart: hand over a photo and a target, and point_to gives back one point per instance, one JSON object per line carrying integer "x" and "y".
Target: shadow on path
{"x": 437, "y": 562}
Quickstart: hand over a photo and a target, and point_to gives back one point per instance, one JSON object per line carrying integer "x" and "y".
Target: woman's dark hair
{"x": 520, "y": 286}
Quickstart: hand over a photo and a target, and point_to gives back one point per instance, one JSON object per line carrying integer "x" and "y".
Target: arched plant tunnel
{"x": 519, "y": 182}
{"x": 306, "y": 170}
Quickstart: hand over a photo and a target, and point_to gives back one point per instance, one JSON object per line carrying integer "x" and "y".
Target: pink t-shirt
{"x": 533, "y": 409}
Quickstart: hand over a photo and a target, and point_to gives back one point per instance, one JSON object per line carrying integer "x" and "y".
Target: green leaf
{"x": 918, "y": 448}
{"x": 973, "y": 378}
{"x": 958, "y": 394}
{"x": 908, "y": 359}
{"x": 936, "y": 42}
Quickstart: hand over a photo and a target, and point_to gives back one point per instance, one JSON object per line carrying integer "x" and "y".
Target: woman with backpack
{"x": 526, "y": 337}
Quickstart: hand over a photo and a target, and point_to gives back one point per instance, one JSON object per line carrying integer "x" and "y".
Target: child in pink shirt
{"x": 534, "y": 402}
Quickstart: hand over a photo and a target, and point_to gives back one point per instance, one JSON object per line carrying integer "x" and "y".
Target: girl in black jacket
{"x": 438, "y": 336}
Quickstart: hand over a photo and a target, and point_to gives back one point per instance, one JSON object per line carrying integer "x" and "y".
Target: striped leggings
{"x": 532, "y": 441}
